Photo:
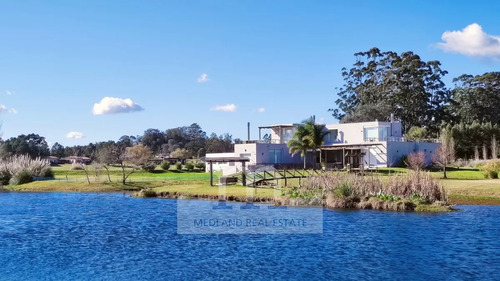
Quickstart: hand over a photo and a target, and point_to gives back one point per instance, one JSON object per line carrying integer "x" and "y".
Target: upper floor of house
{"x": 347, "y": 133}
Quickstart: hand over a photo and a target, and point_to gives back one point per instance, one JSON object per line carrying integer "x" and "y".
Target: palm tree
{"x": 315, "y": 134}
{"x": 299, "y": 144}
{"x": 307, "y": 136}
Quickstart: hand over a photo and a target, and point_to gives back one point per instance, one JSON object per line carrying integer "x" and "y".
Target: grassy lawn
{"x": 484, "y": 192}
{"x": 64, "y": 173}
{"x": 465, "y": 186}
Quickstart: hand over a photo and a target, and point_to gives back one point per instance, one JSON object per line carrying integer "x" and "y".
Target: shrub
{"x": 491, "y": 169}
{"x": 416, "y": 161}
{"x": 344, "y": 189}
{"x": 4, "y": 178}
{"x": 490, "y": 174}
{"x": 189, "y": 166}
{"x": 48, "y": 173}
{"x": 403, "y": 161}
{"x": 149, "y": 167}
{"x": 178, "y": 166}
{"x": 21, "y": 178}
{"x": 200, "y": 166}
{"x": 76, "y": 166}
{"x": 165, "y": 165}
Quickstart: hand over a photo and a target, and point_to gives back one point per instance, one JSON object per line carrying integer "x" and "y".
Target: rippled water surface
{"x": 87, "y": 236}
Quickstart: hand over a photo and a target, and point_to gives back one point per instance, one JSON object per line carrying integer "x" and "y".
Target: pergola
{"x": 243, "y": 160}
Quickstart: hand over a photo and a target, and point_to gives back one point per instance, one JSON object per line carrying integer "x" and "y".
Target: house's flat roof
{"x": 227, "y": 159}
{"x": 277, "y": 125}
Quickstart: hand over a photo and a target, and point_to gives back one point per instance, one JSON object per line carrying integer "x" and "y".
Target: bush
{"x": 491, "y": 169}
{"x": 416, "y": 161}
{"x": 4, "y": 178}
{"x": 403, "y": 161}
{"x": 48, "y": 173}
{"x": 178, "y": 166}
{"x": 76, "y": 166}
{"x": 490, "y": 174}
{"x": 165, "y": 165}
{"x": 189, "y": 166}
{"x": 200, "y": 166}
{"x": 149, "y": 167}
{"x": 21, "y": 178}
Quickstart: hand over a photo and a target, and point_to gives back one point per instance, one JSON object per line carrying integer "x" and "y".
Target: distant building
{"x": 75, "y": 159}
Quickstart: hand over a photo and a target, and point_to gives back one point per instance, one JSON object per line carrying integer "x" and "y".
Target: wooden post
{"x": 211, "y": 175}
{"x": 243, "y": 175}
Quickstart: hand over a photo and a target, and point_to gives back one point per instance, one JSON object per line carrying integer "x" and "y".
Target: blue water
{"x": 87, "y": 236}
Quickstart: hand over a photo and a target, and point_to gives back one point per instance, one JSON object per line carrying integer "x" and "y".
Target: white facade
{"x": 380, "y": 143}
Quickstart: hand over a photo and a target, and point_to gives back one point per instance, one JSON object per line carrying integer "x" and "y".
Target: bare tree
{"x": 134, "y": 157}
{"x": 494, "y": 147}
{"x": 416, "y": 161}
{"x": 445, "y": 154}
{"x": 485, "y": 152}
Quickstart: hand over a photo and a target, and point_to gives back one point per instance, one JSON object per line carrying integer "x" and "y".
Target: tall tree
{"x": 154, "y": 139}
{"x": 31, "y": 144}
{"x": 477, "y": 98}
{"x": 57, "y": 150}
{"x": 381, "y": 83}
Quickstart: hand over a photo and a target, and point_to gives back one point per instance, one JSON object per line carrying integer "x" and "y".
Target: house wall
{"x": 216, "y": 166}
{"x": 395, "y": 150}
{"x": 353, "y": 133}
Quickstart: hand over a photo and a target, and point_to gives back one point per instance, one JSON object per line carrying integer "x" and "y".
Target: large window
{"x": 332, "y": 136}
{"x": 287, "y": 134}
{"x": 376, "y": 134}
{"x": 275, "y": 156}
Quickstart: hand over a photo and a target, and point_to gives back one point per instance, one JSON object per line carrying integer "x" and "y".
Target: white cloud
{"x": 9, "y": 93}
{"x": 203, "y": 78}
{"x": 110, "y": 105}
{"x": 471, "y": 41}
{"x": 261, "y": 109}
{"x": 3, "y": 108}
{"x": 228, "y": 108}
{"x": 75, "y": 135}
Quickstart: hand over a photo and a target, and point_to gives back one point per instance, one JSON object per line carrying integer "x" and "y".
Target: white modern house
{"x": 369, "y": 144}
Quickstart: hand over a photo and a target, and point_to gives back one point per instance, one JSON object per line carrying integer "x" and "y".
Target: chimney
{"x": 248, "y": 124}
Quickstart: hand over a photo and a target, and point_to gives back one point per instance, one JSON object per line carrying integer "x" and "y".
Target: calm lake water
{"x": 88, "y": 236}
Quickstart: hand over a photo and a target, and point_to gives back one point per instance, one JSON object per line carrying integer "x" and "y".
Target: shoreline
{"x": 203, "y": 191}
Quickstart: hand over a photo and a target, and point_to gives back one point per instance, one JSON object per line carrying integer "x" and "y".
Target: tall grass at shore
{"x": 398, "y": 192}
{"x": 22, "y": 169}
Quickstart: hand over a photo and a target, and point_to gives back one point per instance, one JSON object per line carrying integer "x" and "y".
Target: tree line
{"x": 383, "y": 83}
{"x": 182, "y": 142}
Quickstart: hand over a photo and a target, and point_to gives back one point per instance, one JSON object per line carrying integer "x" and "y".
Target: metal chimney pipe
{"x": 248, "y": 130}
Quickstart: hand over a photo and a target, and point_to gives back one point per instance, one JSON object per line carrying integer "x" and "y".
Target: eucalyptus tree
{"x": 381, "y": 83}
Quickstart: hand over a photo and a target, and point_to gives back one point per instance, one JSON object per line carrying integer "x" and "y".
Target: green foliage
{"x": 165, "y": 165}
{"x": 381, "y": 83}
{"x": 416, "y": 133}
{"x": 387, "y": 197}
{"x": 149, "y": 167}
{"x": 491, "y": 169}
{"x": 48, "y": 173}
{"x": 4, "y": 178}
{"x": 189, "y": 166}
{"x": 32, "y": 145}
{"x": 178, "y": 166}
{"x": 477, "y": 98}
{"x": 344, "y": 189}
{"x": 22, "y": 177}
{"x": 200, "y": 166}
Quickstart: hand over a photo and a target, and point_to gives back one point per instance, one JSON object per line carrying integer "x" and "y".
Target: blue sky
{"x": 221, "y": 64}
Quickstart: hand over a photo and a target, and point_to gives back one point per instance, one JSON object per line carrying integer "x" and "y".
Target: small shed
{"x": 242, "y": 160}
